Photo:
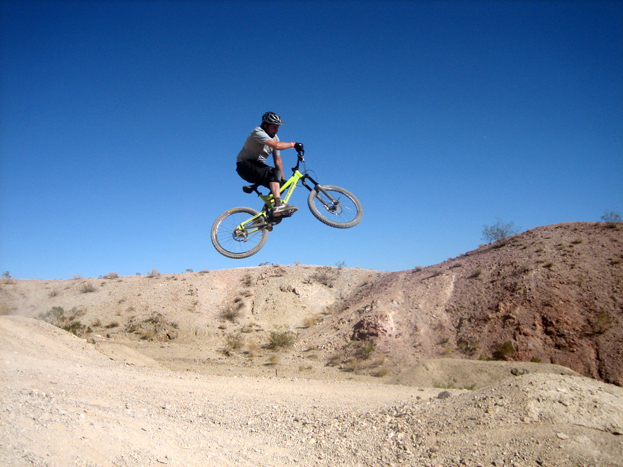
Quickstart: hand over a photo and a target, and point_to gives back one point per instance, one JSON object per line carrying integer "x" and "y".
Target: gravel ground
{"x": 65, "y": 403}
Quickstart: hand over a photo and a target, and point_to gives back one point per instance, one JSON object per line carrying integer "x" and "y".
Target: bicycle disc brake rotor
{"x": 240, "y": 235}
{"x": 334, "y": 208}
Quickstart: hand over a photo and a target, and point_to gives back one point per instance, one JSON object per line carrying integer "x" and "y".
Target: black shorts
{"x": 258, "y": 172}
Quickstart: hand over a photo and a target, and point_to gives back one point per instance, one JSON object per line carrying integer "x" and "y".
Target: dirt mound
{"x": 471, "y": 374}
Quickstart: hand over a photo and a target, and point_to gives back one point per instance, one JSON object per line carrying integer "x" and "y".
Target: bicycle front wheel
{"x": 335, "y": 206}
{"x": 236, "y": 236}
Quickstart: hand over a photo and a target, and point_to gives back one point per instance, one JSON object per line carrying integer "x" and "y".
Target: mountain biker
{"x": 251, "y": 162}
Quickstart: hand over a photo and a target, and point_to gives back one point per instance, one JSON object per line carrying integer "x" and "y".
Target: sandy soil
{"x": 66, "y": 403}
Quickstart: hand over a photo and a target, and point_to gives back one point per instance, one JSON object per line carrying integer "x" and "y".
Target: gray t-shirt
{"x": 254, "y": 148}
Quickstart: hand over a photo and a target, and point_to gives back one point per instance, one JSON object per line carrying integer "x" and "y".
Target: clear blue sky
{"x": 120, "y": 122}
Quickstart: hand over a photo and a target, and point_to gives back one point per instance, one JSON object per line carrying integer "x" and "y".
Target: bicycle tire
{"x": 236, "y": 244}
{"x": 347, "y": 213}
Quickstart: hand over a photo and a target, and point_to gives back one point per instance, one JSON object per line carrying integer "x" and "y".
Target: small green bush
{"x": 503, "y": 351}
{"x": 498, "y": 231}
{"x": 364, "y": 350}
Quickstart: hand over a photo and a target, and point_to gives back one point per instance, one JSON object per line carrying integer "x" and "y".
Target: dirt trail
{"x": 65, "y": 403}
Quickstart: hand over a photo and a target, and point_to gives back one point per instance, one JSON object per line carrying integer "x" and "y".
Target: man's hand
{"x": 298, "y": 147}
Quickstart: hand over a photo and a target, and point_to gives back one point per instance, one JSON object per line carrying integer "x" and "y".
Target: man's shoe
{"x": 283, "y": 209}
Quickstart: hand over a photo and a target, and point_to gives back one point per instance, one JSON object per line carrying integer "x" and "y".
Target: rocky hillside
{"x": 550, "y": 295}
{"x": 553, "y": 294}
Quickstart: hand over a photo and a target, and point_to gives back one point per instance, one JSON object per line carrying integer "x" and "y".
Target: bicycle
{"x": 241, "y": 232}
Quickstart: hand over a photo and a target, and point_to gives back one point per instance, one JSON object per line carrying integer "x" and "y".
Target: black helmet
{"x": 271, "y": 118}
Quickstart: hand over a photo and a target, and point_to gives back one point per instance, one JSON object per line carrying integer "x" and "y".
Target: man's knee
{"x": 277, "y": 176}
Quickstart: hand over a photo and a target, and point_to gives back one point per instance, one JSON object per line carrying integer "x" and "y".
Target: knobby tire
{"x": 346, "y": 213}
{"x": 228, "y": 243}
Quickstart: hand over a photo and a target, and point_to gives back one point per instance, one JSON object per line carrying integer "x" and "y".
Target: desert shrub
{"x": 311, "y": 320}
{"x": 247, "y": 280}
{"x": 364, "y": 350}
{"x": 324, "y": 276}
{"x": 231, "y": 313}
{"x": 153, "y": 273}
{"x": 57, "y": 316}
{"x": 380, "y": 372}
{"x": 504, "y": 350}
{"x": 87, "y": 287}
{"x": 77, "y": 328}
{"x": 535, "y": 360}
{"x": 251, "y": 348}
{"x": 235, "y": 341}
{"x": 476, "y": 274}
{"x": 467, "y": 347}
{"x": 277, "y": 340}
{"x": 603, "y": 322}
{"x": 334, "y": 359}
{"x": 611, "y": 217}
{"x": 111, "y": 275}
{"x": 498, "y": 231}
{"x": 352, "y": 365}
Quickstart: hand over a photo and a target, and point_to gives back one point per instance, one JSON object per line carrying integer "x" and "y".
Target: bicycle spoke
{"x": 335, "y": 206}
{"x": 235, "y": 236}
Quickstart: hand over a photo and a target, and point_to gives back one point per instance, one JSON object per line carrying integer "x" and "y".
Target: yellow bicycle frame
{"x": 288, "y": 187}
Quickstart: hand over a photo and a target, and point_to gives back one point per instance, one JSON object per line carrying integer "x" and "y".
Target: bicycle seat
{"x": 250, "y": 188}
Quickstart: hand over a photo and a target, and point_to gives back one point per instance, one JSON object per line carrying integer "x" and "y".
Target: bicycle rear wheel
{"x": 234, "y": 236}
{"x": 335, "y": 206}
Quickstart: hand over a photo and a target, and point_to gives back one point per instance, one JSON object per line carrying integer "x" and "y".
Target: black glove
{"x": 298, "y": 147}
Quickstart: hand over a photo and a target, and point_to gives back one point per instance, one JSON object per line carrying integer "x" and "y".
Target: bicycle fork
{"x": 332, "y": 204}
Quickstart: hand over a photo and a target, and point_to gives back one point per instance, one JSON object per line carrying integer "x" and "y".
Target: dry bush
{"x": 335, "y": 359}
{"x": 311, "y": 320}
{"x": 235, "y": 341}
{"x": 87, "y": 287}
{"x": 380, "y": 372}
{"x": 352, "y": 365}
{"x": 233, "y": 312}
{"x": 281, "y": 340}
{"x": 325, "y": 276}
{"x": 504, "y": 350}
{"x": 251, "y": 348}
{"x": 247, "y": 280}
{"x": 477, "y": 273}
{"x": 68, "y": 321}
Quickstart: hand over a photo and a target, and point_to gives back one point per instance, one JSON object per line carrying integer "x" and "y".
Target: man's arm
{"x": 279, "y": 145}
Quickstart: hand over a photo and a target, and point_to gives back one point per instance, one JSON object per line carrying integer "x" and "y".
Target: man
{"x": 251, "y": 163}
